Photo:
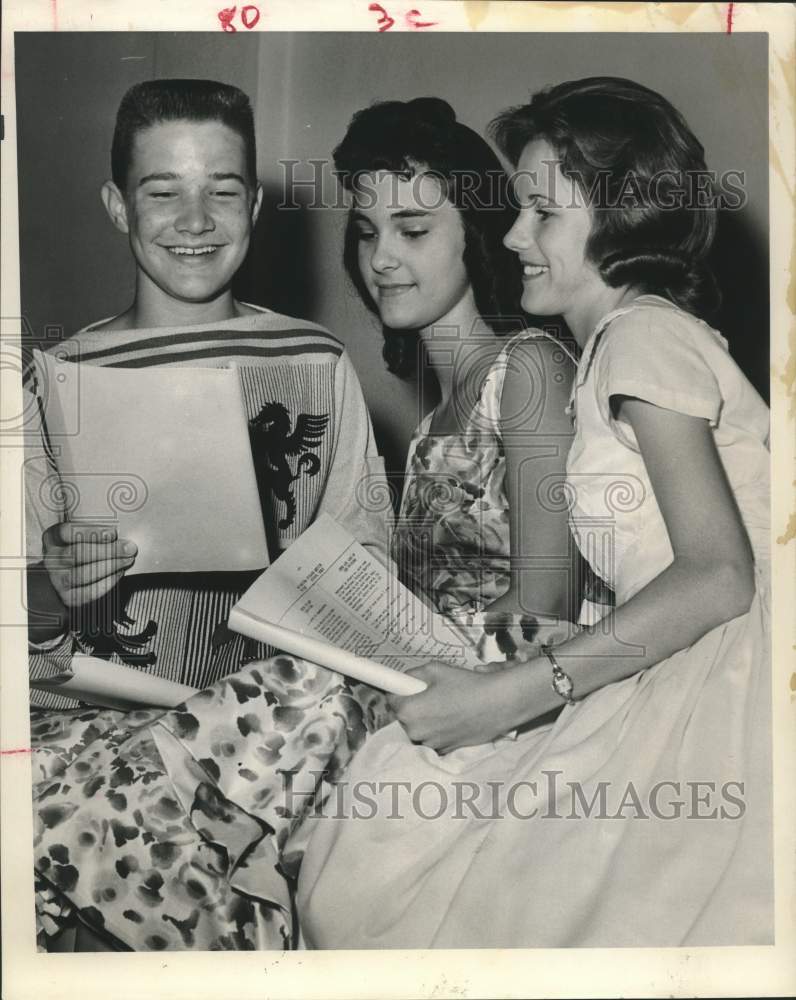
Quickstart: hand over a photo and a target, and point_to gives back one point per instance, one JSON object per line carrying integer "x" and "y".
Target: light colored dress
{"x": 642, "y": 815}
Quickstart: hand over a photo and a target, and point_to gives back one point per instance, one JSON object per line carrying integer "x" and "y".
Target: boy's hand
{"x": 85, "y": 561}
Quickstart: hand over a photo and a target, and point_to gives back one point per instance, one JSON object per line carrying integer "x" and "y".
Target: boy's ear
{"x": 115, "y": 206}
{"x": 257, "y": 204}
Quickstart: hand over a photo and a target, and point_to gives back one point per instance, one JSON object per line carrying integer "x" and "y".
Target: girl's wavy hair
{"x": 636, "y": 160}
{"x": 423, "y": 136}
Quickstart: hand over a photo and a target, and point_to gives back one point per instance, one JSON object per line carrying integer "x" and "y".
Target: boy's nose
{"x": 194, "y": 217}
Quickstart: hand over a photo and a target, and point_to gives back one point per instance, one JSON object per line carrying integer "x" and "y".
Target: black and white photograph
{"x": 390, "y": 399}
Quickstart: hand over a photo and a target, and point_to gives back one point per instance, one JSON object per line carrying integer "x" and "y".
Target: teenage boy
{"x": 166, "y": 830}
{"x": 185, "y": 192}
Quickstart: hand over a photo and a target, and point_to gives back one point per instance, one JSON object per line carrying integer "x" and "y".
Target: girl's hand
{"x": 458, "y": 708}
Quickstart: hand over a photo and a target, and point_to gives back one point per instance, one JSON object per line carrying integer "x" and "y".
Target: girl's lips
{"x": 389, "y": 291}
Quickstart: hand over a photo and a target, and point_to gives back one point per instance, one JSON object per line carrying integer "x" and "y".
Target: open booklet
{"x": 161, "y": 454}
{"x": 327, "y": 599}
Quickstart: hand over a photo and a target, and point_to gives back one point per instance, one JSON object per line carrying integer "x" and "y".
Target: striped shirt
{"x": 293, "y": 374}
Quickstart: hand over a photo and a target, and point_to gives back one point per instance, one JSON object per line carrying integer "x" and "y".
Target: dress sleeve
{"x": 356, "y": 493}
{"x": 656, "y": 358}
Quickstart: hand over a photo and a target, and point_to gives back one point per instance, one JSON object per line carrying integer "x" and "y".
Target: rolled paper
{"x": 113, "y": 685}
{"x": 326, "y": 654}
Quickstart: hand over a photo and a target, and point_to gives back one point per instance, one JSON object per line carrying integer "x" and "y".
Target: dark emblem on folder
{"x": 272, "y": 440}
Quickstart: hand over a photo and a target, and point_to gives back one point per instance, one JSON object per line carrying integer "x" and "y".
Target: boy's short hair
{"x": 155, "y": 101}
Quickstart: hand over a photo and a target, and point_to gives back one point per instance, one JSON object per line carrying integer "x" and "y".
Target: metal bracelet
{"x": 561, "y": 681}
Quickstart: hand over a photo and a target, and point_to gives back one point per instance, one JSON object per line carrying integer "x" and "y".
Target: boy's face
{"x": 188, "y": 208}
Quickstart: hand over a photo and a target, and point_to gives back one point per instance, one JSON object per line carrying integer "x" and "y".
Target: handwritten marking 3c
{"x": 411, "y": 17}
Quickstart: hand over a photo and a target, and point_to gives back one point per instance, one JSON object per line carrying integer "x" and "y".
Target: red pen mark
{"x": 412, "y": 20}
{"x": 7, "y": 753}
{"x": 729, "y": 17}
{"x": 385, "y": 22}
{"x": 225, "y": 17}
{"x": 250, "y": 15}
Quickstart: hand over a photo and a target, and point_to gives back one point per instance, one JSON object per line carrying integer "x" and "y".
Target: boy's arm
{"x": 356, "y": 494}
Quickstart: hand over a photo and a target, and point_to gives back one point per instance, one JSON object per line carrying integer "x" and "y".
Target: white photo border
{"x": 750, "y": 971}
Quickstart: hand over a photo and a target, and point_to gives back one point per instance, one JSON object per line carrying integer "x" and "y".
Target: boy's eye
{"x": 161, "y": 194}
{"x": 226, "y": 194}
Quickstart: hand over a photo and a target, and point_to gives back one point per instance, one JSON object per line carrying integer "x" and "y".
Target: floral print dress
{"x": 166, "y": 830}
{"x": 452, "y": 538}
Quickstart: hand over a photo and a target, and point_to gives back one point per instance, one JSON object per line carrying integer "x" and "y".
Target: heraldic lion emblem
{"x": 272, "y": 438}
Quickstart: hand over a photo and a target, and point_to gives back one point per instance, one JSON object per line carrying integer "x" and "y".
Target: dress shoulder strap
{"x": 534, "y": 333}
{"x": 492, "y": 390}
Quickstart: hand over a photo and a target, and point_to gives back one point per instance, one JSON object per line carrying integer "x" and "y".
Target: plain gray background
{"x": 75, "y": 268}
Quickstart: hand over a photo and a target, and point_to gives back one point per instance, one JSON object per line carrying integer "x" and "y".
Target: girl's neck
{"x": 454, "y": 342}
{"x": 582, "y": 320}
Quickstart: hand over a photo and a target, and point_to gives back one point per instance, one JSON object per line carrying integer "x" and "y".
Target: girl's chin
{"x": 534, "y": 304}
{"x": 398, "y": 322}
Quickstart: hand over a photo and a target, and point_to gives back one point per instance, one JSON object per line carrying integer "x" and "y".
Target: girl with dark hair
{"x": 424, "y": 248}
{"x": 641, "y": 816}
{"x": 398, "y": 137}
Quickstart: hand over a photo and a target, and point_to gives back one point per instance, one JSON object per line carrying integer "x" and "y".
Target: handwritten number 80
{"x": 249, "y": 15}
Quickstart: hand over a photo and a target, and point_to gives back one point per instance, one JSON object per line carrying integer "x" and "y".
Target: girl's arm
{"x": 537, "y": 434}
{"x": 709, "y": 581}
